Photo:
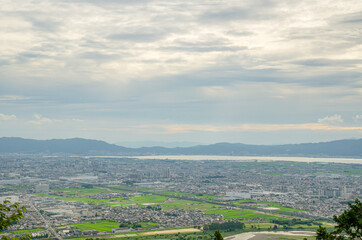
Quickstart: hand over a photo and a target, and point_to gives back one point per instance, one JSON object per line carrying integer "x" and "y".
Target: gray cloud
{"x": 39, "y": 19}
{"x": 98, "y": 56}
{"x": 348, "y": 19}
{"x": 179, "y": 62}
{"x": 328, "y": 62}
{"x": 232, "y": 14}
{"x": 45, "y": 24}
{"x": 249, "y": 10}
{"x": 137, "y": 37}
{"x": 217, "y": 45}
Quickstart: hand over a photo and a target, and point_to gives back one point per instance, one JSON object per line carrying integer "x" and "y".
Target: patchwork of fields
{"x": 169, "y": 200}
{"x": 159, "y": 198}
{"x": 105, "y": 226}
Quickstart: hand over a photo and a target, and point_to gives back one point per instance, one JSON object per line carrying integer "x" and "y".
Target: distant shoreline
{"x": 238, "y": 158}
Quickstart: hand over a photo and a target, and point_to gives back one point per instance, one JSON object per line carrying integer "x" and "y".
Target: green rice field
{"x": 241, "y": 213}
{"x": 104, "y": 225}
{"x": 123, "y": 201}
{"x": 28, "y": 230}
{"x": 172, "y": 202}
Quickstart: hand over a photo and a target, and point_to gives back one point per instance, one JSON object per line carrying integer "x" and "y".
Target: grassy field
{"x": 28, "y": 230}
{"x": 145, "y": 199}
{"x": 168, "y": 203}
{"x": 137, "y": 200}
{"x": 269, "y": 204}
{"x": 172, "y": 193}
{"x": 105, "y": 226}
{"x": 125, "y": 188}
{"x": 76, "y": 199}
{"x": 148, "y": 224}
{"x": 187, "y": 204}
{"x": 241, "y": 213}
{"x": 100, "y": 225}
{"x": 281, "y": 208}
{"x": 122, "y": 201}
{"x": 82, "y": 191}
{"x": 266, "y": 226}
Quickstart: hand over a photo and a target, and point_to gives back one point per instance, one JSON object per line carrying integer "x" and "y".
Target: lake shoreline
{"x": 248, "y": 158}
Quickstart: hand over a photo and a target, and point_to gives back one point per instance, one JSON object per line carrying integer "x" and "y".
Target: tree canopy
{"x": 10, "y": 214}
{"x": 217, "y": 235}
{"x": 349, "y": 224}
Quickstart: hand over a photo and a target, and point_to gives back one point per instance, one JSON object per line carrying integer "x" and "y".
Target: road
{"x": 47, "y": 225}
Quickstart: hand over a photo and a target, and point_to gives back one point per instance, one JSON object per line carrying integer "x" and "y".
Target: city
{"x": 61, "y": 192}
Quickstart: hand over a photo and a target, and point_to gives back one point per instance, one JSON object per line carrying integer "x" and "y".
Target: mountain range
{"x": 339, "y": 148}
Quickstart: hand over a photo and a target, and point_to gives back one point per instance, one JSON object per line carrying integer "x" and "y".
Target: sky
{"x": 252, "y": 71}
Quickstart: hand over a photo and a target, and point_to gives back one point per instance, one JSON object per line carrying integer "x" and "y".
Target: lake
{"x": 250, "y": 158}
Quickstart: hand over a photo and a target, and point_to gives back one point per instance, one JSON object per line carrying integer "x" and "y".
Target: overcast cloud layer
{"x": 261, "y": 72}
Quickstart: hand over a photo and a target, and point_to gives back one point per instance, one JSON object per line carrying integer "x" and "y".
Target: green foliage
{"x": 98, "y": 225}
{"x": 349, "y": 224}
{"x": 27, "y": 230}
{"x": 241, "y": 213}
{"x": 217, "y": 235}
{"x": 130, "y": 225}
{"x": 107, "y": 226}
{"x": 25, "y": 237}
{"x": 322, "y": 234}
{"x": 226, "y": 226}
{"x": 294, "y": 221}
{"x": 9, "y": 215}
{"x": 81, "y": 195}
{"x": 155, "y": 208}
{"x": 350, "y": 221}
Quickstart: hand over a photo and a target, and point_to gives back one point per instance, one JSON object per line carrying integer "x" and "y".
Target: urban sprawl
{"x": 65, "y": 195}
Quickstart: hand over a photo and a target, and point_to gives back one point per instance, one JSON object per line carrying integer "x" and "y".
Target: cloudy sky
{"x": 260, "y": 72}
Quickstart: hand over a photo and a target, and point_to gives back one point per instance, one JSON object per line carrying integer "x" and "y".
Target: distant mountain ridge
{"x": 339, "y": 148}
{"x": 73, "y": 145}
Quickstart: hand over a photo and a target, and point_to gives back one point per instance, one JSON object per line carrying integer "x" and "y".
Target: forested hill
{"x": 340, "y": 148}
{"x": 73, "y": 146}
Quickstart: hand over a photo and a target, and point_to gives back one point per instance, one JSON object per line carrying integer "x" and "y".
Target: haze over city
{"x": 257, "y": 72}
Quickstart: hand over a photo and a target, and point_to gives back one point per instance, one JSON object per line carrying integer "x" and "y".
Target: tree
{"x": 217, "y": 235}
{"x": 10, "y": 214}
{"x": 322, "y": 234}
{"x": 349, "y": 224}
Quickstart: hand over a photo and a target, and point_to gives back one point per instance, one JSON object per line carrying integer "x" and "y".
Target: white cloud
{"x": 197, "y": 128}
{"x": 5, "y": 117}
{"x": 335, "y": 119}
{"x": 358, "y": 117}
{"x": 77, "y": 120}
{"x": 110, "y": 41}
{"x": 39, "y": 120}
{"x": 12, "y": 98}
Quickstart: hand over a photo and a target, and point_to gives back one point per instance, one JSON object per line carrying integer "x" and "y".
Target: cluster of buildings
{"x": 321, "y": 189}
